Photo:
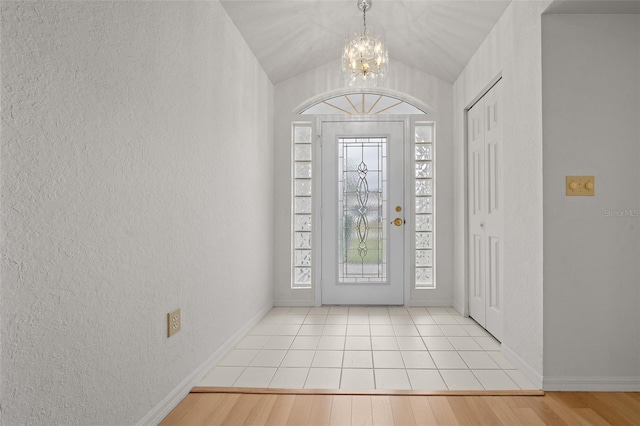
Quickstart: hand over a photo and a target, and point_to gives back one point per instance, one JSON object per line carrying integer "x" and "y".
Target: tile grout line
{"x": 484, "y": 347}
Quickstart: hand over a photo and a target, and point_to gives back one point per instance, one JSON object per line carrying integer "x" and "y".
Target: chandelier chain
{"x": 364, "y": 19}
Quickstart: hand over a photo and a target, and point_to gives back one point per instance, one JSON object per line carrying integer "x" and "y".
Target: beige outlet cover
{"x": 580, "y": 186}
{"x": 174, "y": 322}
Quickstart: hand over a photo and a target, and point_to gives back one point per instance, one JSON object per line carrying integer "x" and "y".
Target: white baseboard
{"x": 529, "y": 372}
{"x": 165, "y": 406}
{"x": 460, "y": 308}
{"x": 592, "y": 383}
{"x": 431, "y": 303}
{"x": 294, "y": 303}
{"x": 413, "y": 303}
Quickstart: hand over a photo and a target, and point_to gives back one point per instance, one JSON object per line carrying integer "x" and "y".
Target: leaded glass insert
{"x": 362, "y": 210}
{"x": 302, "y": 204}
{"x": 424, "y": 218}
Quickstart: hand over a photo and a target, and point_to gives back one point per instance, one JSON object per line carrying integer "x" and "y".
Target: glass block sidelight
{"x": 424, "y": 258}
{"x": 424, "y": 187}
{"x": 303, "y": 258}
{"x": 424, "y": 278}
{"x": 424, "y": 133}
{"x": 424, "y": 222}
{"x": 424, "y": 199}
{"x": 424, "y": 169}
{"x": 423, "y": 152}
{"x": 302, "y": 205}
{"x": 302, "y": 222}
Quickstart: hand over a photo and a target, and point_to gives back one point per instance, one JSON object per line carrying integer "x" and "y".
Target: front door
{"x": 363, "y": 212}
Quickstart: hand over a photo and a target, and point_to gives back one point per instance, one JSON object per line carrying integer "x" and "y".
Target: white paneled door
{"x": 363, "y": 212}
{"x": 485, "y": 211}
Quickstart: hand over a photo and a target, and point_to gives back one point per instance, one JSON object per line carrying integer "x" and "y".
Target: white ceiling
{"x": 594, "y": 6}
{"x": 290, "y": 37}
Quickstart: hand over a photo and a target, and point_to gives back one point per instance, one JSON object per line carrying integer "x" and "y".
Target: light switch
{"x": 580, "y": 186}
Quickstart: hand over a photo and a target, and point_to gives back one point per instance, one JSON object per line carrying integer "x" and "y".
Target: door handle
{"x": 398, "y": 221}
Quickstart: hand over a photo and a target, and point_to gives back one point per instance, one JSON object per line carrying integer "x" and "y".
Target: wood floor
{"x": 554, "y": 408}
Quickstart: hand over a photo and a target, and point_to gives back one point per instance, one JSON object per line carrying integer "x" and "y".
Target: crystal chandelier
{"x": 365, "y": 57}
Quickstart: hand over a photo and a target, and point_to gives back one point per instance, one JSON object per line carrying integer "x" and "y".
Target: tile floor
{"x": 393, "y": 348}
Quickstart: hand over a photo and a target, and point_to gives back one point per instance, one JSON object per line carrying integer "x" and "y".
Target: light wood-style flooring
{"x": 553, "y": 408}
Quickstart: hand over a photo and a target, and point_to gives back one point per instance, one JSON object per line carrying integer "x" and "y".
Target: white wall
{"x": 512, "y": 49}
{"x": 137, "y": 177}
{"x": 401, "y": 80}
{"x": 591, "y": 105}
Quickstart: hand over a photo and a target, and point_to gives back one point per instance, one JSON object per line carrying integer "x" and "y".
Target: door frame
{"x": 407, "y": 123}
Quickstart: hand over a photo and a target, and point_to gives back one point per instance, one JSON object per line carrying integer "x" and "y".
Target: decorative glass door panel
{"x": 362, "y": 203}
{"x": 363, "y": 212}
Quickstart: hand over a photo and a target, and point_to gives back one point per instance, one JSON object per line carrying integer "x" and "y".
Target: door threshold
{"x": 383, "y": 392}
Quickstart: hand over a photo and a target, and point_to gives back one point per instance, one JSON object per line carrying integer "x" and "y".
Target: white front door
{"x": 363, "y": 212}
{"x": 485, "y": 206}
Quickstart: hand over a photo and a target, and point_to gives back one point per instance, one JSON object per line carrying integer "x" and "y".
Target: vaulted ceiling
{"x": 291, "y": 37}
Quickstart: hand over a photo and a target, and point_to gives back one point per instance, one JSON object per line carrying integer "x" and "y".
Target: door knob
{"x": 398, "y": 221}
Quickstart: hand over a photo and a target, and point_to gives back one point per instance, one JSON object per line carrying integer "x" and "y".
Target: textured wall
{"x": 513, "y": 50}
{"x": 591, "y": 103}
{"x": 137, "y": 176}
{"x": 402, "y": 81}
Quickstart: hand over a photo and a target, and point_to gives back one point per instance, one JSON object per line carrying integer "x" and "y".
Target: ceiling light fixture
{"x": 365, "y": 57}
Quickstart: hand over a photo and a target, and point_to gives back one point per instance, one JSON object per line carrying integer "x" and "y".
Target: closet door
{"x": 485, "y": 211}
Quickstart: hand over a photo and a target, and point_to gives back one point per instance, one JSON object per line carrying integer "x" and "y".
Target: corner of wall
{"x": 529, "y": 372}
{"x": 169, "y": 402}
{"x": 512, "y": 49}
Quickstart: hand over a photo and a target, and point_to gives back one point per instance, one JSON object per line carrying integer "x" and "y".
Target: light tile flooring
{"x": 392, "y": 348}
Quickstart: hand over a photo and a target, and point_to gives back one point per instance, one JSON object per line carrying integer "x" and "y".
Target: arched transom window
{"x": 362, "y": 104}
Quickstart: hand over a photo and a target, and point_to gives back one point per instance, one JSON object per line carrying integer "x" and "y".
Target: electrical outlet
{"x": 174, "y": 322}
